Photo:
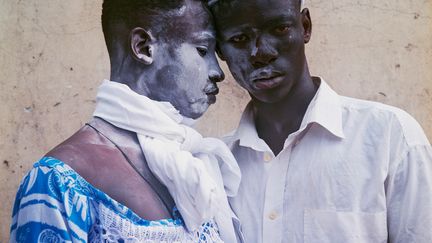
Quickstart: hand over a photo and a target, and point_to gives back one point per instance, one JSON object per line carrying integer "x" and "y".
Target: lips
{"x": 266, "y": 79}
{"x": 268, "y": 83}
{"x": 211, "y": 99}
{"x": 211, "y": 93}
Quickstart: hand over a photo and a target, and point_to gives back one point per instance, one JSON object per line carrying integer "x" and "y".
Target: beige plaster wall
{"x": 52, "y": 58}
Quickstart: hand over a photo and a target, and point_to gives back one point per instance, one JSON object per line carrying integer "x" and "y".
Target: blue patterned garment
{"x": 55, "y": 204}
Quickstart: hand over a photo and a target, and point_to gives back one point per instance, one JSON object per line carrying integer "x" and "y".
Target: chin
{"x": 194, "y": 115}
{"x": 271, "y": 96}
{"x": 196, "y": 111}
{"x": 269, "y": 100}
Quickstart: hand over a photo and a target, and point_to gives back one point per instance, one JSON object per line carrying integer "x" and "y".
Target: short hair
{"x": 215, "y": 5}
{"x": 122, "y": 15}
{"x": 126, "y": 13}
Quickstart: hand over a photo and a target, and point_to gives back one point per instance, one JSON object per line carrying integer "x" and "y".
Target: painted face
{"x": 187, "y": 68}
{"x": 262, "y": 42}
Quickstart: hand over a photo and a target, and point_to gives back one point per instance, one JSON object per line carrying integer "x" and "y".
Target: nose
{"x": 216, "y": 74}
{"x": 262, "y": 53}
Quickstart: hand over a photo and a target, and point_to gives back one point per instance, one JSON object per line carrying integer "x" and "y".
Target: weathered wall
{"x": 52, "y": 58}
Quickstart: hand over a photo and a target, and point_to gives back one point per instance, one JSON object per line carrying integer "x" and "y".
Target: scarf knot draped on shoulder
{"x": 199, "y": 172}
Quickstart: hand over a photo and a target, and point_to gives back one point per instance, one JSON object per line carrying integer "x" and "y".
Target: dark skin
{"x": 179, "y": 67}
{"x": 265, "y": 53}
{"x": 100, "y": 163}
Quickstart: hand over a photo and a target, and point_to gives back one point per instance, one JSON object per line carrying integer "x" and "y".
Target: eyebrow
{"x": 285, "y": 17}
{"x": 204, "y": 36}
{"x": 233, "y": 30}
{"x": 281, "y": 18}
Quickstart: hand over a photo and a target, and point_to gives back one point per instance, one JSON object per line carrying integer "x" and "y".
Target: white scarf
{"x": 199, "y": 172}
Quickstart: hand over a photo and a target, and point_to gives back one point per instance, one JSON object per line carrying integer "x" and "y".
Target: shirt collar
{"x": 324, "y": 109}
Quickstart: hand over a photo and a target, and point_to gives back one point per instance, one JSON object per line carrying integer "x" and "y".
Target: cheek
{"x": 194, "y": 68}
{"x": 197, "y": 70}
{"x": 292, "y": 43}
{"x": 168, "y": 77}
{"x": 169, "y": 86}
{"x": 238, "y": 62}
{"x": 177, "y": 82}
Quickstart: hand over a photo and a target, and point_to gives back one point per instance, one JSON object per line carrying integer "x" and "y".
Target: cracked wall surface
{"x": 52, "y": 58}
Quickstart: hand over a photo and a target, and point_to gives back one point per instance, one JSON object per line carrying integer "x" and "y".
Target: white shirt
{"x": 355, "y": 171}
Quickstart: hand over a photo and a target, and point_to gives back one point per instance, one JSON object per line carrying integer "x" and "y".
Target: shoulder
{"x": 50, "y": 196}
{"x": 385, "y": 117}
{"x": 75, "y": 150}
{"x": 48, "y": 177}
{"x": 47, "y": 184}
{"x": 85, "y": 152}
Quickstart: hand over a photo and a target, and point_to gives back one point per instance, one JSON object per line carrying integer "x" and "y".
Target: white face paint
{"x": 182, "y": 10}
{"x": 264, "y": 49}
{"x": 187, "y": 68}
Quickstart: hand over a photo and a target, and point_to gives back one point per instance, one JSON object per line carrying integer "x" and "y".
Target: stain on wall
{"x": 52, "y": 58}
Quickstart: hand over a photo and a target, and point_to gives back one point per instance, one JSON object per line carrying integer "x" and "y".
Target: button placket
{"x": 273, "y": 203}
{"x": 273, "y": 215}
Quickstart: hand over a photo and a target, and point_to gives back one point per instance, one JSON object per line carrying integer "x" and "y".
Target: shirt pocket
{"x": 323, "y": 226}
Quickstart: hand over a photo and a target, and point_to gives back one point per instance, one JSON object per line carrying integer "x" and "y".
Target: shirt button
{"x": 267, "y": 157}
{"x": 272, "y": 216}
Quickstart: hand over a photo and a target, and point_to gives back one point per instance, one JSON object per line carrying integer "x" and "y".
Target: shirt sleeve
{"x": 48, "y": 208}
{"x": 409, "y": 197}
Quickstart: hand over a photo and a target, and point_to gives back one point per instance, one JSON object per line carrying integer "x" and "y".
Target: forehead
{"x": 254, "y": 12}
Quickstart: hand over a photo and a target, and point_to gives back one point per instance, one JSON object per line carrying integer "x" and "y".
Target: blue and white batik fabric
{"x": 55, "y": 204}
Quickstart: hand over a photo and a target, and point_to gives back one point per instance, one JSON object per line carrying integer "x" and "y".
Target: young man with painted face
{"x": 316, "y": 166}
{"x": 137, "y": 172}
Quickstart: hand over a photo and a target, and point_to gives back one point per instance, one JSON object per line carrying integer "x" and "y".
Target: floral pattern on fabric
{"x": 55, "y": 204}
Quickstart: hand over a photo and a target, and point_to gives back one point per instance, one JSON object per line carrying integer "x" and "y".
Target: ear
{"x": 307, "y": 25}
{"x": 141, "y": 45}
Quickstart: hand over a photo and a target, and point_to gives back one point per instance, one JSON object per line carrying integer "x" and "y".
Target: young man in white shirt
{"x": 316, "y": 166}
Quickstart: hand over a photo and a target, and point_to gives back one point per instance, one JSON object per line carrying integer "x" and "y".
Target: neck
{"x": 276, "y": 121}
{"x": 126, "y": 70}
